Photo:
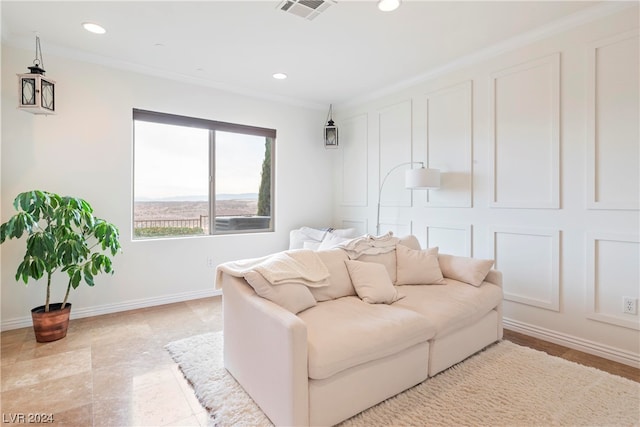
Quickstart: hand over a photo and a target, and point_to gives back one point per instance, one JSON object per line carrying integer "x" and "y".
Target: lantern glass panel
{"x": 331, "y": 136}
{"x": 47, "y": 95}
{"x": 28, "y": 91}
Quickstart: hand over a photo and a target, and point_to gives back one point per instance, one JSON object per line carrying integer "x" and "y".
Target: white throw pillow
{"x": 302, "y": 235}
{"x": 465, "y": 269}
{"x": 372, "y": 283}
{"x": 310, "y": 238}
{"x": 311, "y": 245}
{"x": 418, "y": 267}
{"x": 294, "y": 297}
{"x": 331, "y": 240}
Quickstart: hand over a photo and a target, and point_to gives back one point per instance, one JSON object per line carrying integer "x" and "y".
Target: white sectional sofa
{"x": 366, "y": 334}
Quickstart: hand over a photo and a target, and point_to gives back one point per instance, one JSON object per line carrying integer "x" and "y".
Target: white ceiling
{"x": 350, "y": 52}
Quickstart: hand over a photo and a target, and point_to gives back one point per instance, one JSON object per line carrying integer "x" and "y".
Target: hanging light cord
{"x": 330, "y": 115}
{"x": 38, "y": 61}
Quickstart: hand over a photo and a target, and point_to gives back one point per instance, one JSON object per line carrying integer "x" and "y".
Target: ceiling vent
{"x": 307, "y": 9}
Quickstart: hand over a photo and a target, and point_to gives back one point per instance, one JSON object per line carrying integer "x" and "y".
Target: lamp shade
{"x": 422, "y": 178}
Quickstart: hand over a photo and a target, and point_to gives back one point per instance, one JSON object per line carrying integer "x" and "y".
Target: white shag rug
{"x": 504, "y": 385}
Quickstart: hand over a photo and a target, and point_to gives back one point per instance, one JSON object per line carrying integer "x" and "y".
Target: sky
{"x": 173, "y": 161}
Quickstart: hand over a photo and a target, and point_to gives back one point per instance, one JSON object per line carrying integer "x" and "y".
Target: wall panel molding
{"x": 449, "y": 145}
{"x": 530, "y": 258}
{"x": 361, "y": 225}
{"x": 398, "y": 228}
{"x": 453, "y": 239}
{"x": 613, "y": 136}
{"x": 612, "y": 273}
{"x": 395, "y": 143}
{"x": 354, "y": 146}
{"x": 525, "y": 135}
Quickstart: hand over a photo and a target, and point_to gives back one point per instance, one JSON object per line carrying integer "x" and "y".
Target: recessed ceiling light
{"x": 388, "y": 5}
{"x": 280, "y": 76}
{"x": 93, "y": 28}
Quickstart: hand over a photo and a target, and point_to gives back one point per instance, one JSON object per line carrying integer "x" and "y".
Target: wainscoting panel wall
{"x": 354, "y": 179}
{"x": 450, "y": 239}
{"x": 449, "y": 144}
{"x": 612, "y": 274}
{"x": 525, "y": 135}
{"x": 360, "y": 225}
{"x": 395, "y": 136}
{"x": 613, "y": 134}
{"x": 530, "y": 259}
{"x": 520, "y": 122}
{"x": 398, "y": 228}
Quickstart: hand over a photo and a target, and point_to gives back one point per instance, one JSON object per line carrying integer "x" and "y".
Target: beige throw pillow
{"x": 294, "y": 297}
{"x": 465, "y": 269}
{"x": 339, "y": 281}
{"x": 372, "y": 283}
{"x": 418, "y": 267}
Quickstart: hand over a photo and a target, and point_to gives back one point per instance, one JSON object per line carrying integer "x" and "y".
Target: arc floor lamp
{"x": 414, "y": 179}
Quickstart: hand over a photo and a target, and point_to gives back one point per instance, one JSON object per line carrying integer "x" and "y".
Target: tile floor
{"x": 109, "y": 370}
{"x": 113, "y": 370}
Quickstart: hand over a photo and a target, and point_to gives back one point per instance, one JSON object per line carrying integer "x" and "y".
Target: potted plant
{"x": 62, "y": 235}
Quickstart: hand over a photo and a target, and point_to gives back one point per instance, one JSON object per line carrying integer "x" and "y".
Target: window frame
{"x": 212, "y": 126}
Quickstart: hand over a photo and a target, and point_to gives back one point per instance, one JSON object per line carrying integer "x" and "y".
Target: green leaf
{"x": 36, "y": 269}
{"x": 24, "y": 200}
{"x": 88, "y": 276}
{"x": 22, "y": 269}
{"x": 74, "y": 277}
{"x": 107, "y": 265}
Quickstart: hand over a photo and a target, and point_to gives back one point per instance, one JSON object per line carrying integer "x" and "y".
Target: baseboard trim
{"x": 23, "y": 322}
{"x": 586, "y": 346}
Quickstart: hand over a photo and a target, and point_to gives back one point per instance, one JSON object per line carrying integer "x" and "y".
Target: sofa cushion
{"x": 416, "y": 267}
{"x": 465, "y": 269}
{"x": 294, "y": 297}
{"x": 452, "y": 306}
{"x": 372, "y": 283}
{"x": 347, "y": 332}
{"x": 389, "y": 259}
{"x": 339, "y": 281}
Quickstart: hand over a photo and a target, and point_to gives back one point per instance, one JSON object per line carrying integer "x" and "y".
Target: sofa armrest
{"x": 494, "y": 277}
{"x": 265, "y": 349}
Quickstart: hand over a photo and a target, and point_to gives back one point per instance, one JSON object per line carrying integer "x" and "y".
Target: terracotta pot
{"x": 51, "y": 325}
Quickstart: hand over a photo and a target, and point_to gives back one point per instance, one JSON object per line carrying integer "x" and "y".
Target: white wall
{"x": 86, "y": 151}
{"x": 528, "y": 178}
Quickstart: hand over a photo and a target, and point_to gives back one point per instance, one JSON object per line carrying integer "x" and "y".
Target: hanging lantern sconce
{"x": 36, "y": 93}
{"x": 330, "y": 131}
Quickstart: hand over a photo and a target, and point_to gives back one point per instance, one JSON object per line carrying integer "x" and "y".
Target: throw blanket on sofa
{"x": 370, "y": 245}
{"x": 296, "y": 266}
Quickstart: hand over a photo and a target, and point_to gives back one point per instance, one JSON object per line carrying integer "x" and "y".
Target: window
{"x": 200, "y": 177}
